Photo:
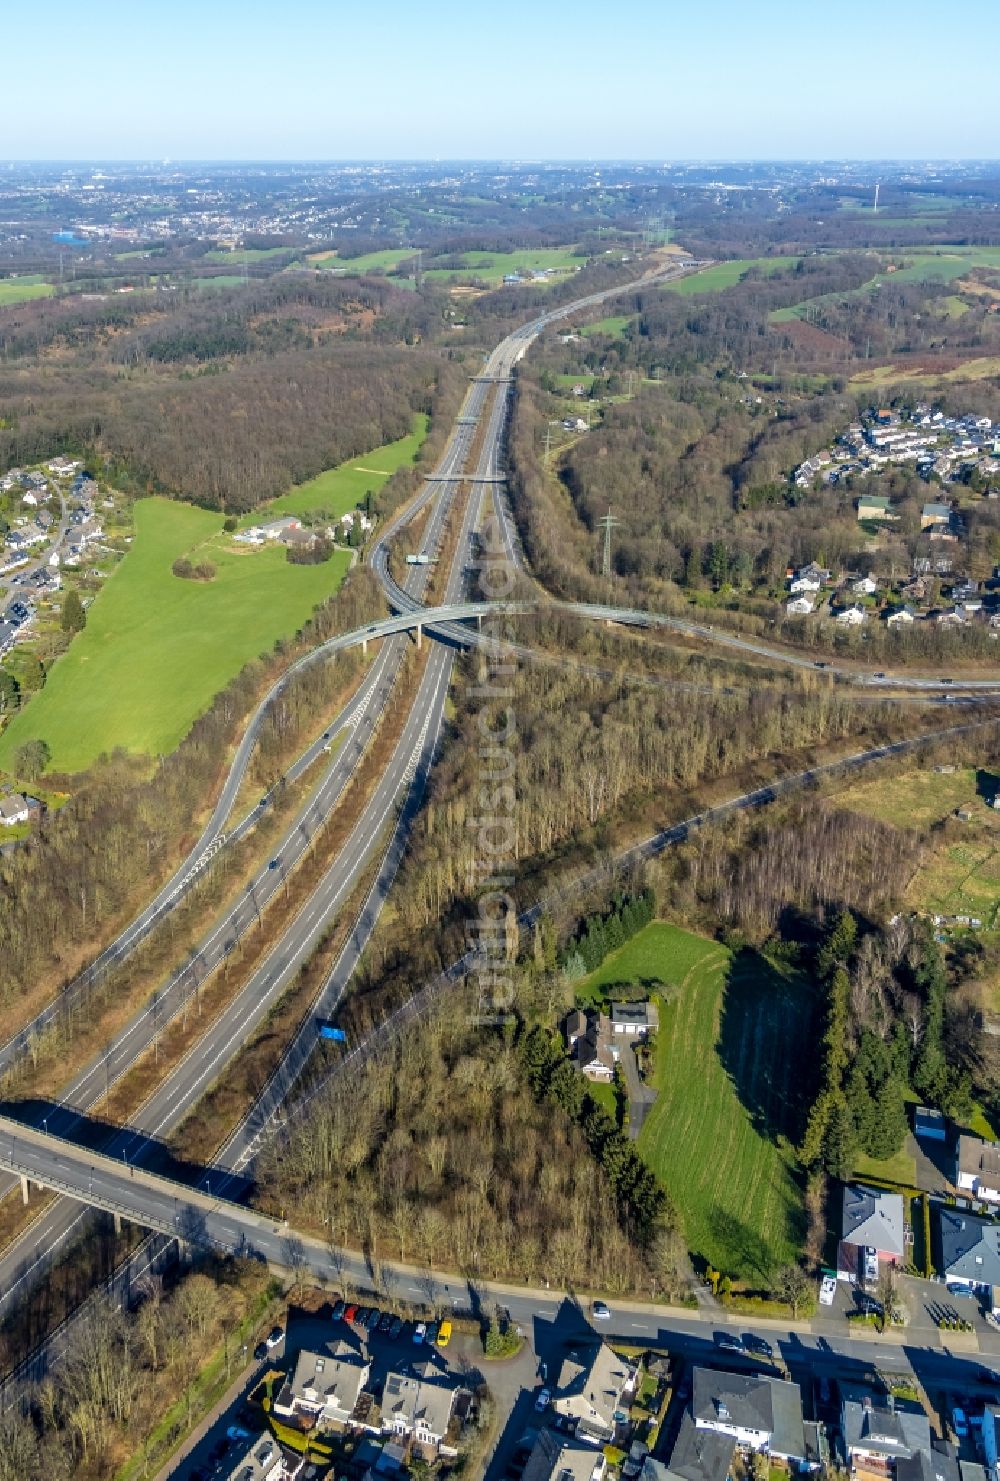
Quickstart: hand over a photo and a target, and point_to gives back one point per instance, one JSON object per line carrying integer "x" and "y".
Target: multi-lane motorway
{"x": 381, "y": 826}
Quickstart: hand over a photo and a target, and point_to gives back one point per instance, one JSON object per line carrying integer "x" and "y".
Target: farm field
{"x": 221, "y": 280}
{"x": 368, "y": 262}
{"x": 733, "y": 1033}
{"x": 943, "y": 265}
{"x": 20, "y": 290}
{"x": 726, "y": 274}
{"x": 156, "y": 648}
{"x": 492, "y": 267}
{"x": 249, "y": 254}
{"x": 339, "y": 490}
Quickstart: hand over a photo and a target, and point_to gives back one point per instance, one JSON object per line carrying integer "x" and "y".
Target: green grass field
{"x": 942, "y": 265}
{"x": 339, "y": 490}
{"x": 615, "y": 325}
{"x": 221, "y": 280}
{"x": 355, "y": 267}
{"x": 156, "y": 649}
{"x": 20, "y": 290}
{"x": 492, "y": 267}
{"x": 250, "y": 254}
{"x": 733, "y": 1034}
{"x": 726, "y": 274}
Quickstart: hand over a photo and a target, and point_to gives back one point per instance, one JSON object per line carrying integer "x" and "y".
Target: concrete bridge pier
{"x": 118, "y": 1223}
{"x": 420, "y": 636}
{"x": 24, "y": 1189}
{"x": 364, "y": 647}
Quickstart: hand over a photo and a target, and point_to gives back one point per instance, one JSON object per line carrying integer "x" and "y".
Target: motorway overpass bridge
{"x": 196, "y": 1216}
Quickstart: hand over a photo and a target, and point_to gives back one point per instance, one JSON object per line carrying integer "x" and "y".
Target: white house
{"x": 412, "y": 1407}
{"x": 30, "y": 497}
{"x": 760, "y": 1413}
{"x": 865, "y": 586}
{"x": 634, "y": 1020}
{"x": 324, "y": 1386}
{"x": 851, "y": 617}
{"x": 799, "y": 606}
{"x": 977, "y": 1168}
{"x": 595, "y": 1387}
{"x": 902, "y": 617}
{"x": 804, "y": 583}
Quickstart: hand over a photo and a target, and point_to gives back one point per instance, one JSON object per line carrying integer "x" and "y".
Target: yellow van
{"x": 444, "y": 1335}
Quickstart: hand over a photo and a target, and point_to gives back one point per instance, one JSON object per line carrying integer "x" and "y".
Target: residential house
{"x": 277, "y": 529}
{"x": 18, "y": 809}
{"x": 929, "y": 1465}
{"x": 416, "y": 1409}
{"x": 324, "y": 1386}
{"x": 970, "y": 1251}
{"x": 877, "y": 1431}
{"x": 991, "y": 1441}
{"x": 700, "y": 1454}
{"x": 874, "y": 507}
{"x": 634, "y": 1020}
{"x": 757, "y": 1411}
{"x": 591, "y": 1046}
{"x": 901, "y": 617}
{"x": 815, "y": 572}
{"x": 935, "y": 516}
{"x": 260, "y": 1459}
{"x": 555, "y": 1458}
{"x": 870, "y": 1219}
{"x": 30, "y": 498}
{"x": 595, "y": 1387}
{"x": 977, "y": 1163}
{"x": 252, "y": 535}
{"x": 799, "y": 606}
{"x": 865, "y": 586}
{"x": 854, "y": 616}
{"x": 800, "y": 584}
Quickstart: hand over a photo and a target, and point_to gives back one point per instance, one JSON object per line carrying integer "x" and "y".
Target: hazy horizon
{"x": 652, "y": 82}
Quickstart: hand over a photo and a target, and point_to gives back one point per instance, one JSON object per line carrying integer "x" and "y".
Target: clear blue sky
{"x": 651, "y": 79}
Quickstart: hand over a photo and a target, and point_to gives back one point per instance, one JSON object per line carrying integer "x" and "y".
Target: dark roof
{"x": 979, "y": 1159}
{"x": 931, "y": 1465}
{"x": 970, "y": 1247}
{"x": 700, "y": 1455}
{"x": 871, "y": 1421}
{"x": 753, "y": 1402}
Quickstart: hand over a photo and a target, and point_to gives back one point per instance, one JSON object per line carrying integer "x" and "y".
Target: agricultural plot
{"x": 245, "y": 254}
{"x": 733, "y": 1037}
{"x": 339, "y": 490}
{"x": 21, "y": 290}
{"x": 615, "y": 325}
{"x": 493, "y": 267}
{"x": 156, "y": 648}
{"x": 355, "y": 267}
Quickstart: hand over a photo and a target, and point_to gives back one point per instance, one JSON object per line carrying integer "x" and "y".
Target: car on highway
{"x": 444, "y": 1334}
{"x": 396, "y": 1328}
{"x": 827, "y": 1290}
{"x": 420, "y": 1332}
{"x": 544, "y": 1400}
{"x": 337, "y": 1313}
{"x": 274, "y": 1337}
{"x": 274, "y": 864}
{"x": 757, "y": 1345}
{"x": 728, "y": 1342}
{"x": 600, "y": 1311}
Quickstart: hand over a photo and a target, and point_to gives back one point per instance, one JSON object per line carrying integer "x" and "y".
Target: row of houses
{"x": 329, "y": 1389}
{"x": 287, "y": 530}
{"x": 937, "y": 445}
{"x": 969, "y": 602}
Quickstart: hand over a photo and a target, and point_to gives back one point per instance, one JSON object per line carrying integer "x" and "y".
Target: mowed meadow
{"x": 733, "y": 1039}
{"x": 157, "y": 648}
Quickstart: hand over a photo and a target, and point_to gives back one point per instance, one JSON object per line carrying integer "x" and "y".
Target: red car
{"x": 350, "y": 1313}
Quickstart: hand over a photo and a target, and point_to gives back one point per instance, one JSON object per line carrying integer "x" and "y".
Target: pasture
{"x": 727, "y": 274}
{"x": 156, "y": 648}
{"x": 245, "y": 254}
{"x": 733, "y": 1036}
{"x": 615, "y": 325}
{"x": 21, "y": 290}
{"x": 339, "y": 490}
{"x": 492, "y": 267}
{"x": 368, "y": 262}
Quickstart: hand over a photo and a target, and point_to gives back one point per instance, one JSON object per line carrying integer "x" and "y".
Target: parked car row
{"x": 371, "y": 1319}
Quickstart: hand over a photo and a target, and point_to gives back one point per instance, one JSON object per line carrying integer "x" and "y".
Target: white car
{"x": 871, "y": 1263}
{"x": 827, "y": 1290}
{"x": 600, "y": 1312}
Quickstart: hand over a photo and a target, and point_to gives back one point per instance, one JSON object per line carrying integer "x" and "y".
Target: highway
{"x": 382, "y": 826}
